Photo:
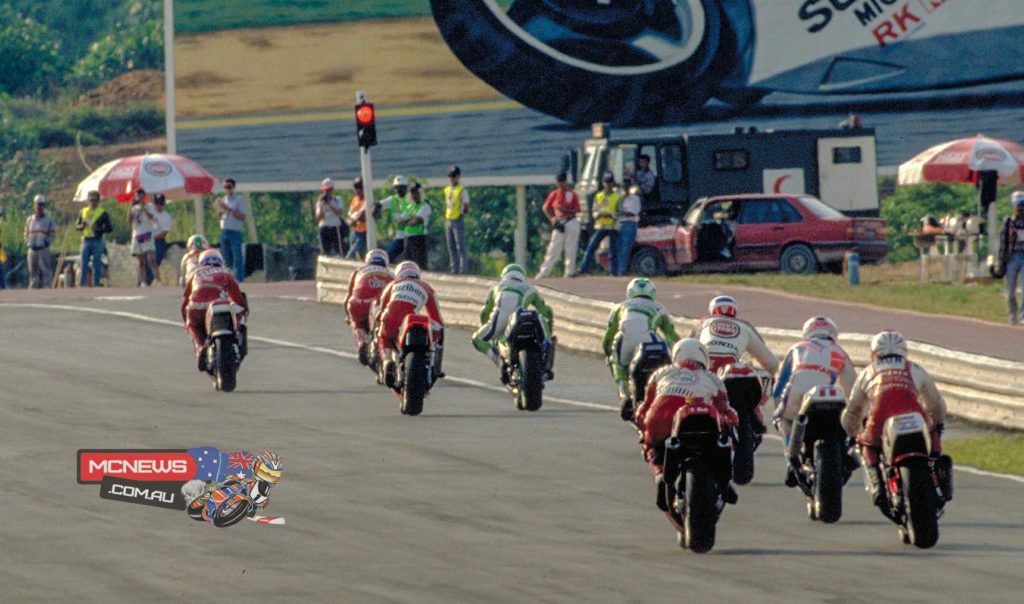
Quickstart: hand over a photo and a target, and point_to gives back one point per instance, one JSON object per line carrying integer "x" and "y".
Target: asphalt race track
{"x": 471, "y": 502}
{"x": 505, "y": 142}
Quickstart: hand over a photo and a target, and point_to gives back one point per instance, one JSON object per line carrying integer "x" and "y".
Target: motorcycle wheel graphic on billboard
{"x": 655, "y": 62}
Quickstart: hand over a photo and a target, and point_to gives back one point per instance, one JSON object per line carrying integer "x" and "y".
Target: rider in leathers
{"x": 816, "y": 360}
{"x": 209, "y": 282}
{"x": 406, "y": 295}
{"x": 670, "y": 388}
{"x": 629, "y": 324}
{"x": 890, "y": 385}
{"x": 364, "y": 290}
{"x": 511, "y": 293}
{"x": 195, "y": 246}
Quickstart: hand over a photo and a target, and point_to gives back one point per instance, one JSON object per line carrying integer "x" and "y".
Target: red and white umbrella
{"x": 957, "y": 161}
{"x": 175, "y": 176}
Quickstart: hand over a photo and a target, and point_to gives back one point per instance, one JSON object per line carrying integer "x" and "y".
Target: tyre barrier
{"x": 978, "y": 388}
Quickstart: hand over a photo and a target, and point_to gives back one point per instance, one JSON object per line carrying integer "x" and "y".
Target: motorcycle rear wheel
{"x": 531, "y": 379}
{"x": 701, "y": 513}
{"x": 224, "y": 363}
{"x": 828, "y": 480}
{"x": 921, "y": 504}
{"x": 416, "y": 383}
{"x": 230, "y": 515}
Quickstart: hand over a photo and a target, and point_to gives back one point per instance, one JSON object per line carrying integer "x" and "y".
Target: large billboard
{"x": 264, "y": 90}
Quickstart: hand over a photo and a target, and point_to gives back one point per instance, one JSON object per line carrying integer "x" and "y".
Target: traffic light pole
{"x": 371, "y": 224}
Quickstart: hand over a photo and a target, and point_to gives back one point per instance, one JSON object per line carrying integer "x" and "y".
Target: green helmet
{"x": 197, "y": 242}
{"x": 514, "y": 271}
{"x": 641, "y": 286}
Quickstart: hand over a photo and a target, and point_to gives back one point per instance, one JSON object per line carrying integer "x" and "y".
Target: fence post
{"x": 520, "y": 239}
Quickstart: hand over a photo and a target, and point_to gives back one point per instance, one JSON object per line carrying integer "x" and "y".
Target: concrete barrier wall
{"x": 976, "y": 387}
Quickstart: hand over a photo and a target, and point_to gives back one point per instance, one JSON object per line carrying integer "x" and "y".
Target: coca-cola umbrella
{"x": 963, "y": 159}
{"x": 175, "y": 176}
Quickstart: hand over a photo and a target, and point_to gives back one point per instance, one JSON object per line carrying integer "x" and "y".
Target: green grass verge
{"x": 886, "y": 285}
{"x": 996, "y": 453}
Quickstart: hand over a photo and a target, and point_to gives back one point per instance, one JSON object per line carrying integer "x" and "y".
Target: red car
{"x": 791, "y": 233}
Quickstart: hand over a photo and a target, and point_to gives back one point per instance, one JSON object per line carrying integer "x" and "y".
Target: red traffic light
{"x": 364, "y": 114}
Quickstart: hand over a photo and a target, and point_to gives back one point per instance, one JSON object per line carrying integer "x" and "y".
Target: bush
{"x": 31, "y": 58}
{"x": 131, "y": 46}
{"x": 50, "y": 125}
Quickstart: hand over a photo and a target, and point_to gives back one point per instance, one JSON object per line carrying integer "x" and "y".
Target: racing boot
{"x": 389, "y": 371}
{"x": 851, "y": 461}
{"x": 790, "y": 480}
{"x": 549, "y": 358}
{"x": 729, "y": 494}
{"x": 876, "y": 486}
{"x": 439, "y": 363}
{"x": 201, "y": 359}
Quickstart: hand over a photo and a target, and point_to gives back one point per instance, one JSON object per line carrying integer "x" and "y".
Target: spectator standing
{"x": 394, "y": 204}
{"x": 330, "y": 216}
{"x": 142, "y": 217}
{"x": 456, "y": 206}
{"x": 94, "y": 222}
{"x": 645, "y": 178}
{"x": 231, "y": 210}
{"x": 39, "y": 234}
{"x": 606, "y": 204}
{"x": 164, "y": 223}
{"x": 1011, "y": 254}
{"x": 561, "y": 208}
{"x": 357, "y": 218}
{"x": 414, "y": 219}
{"x": 629, "y": 219}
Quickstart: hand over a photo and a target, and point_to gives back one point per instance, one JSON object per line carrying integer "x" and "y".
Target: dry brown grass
{"x": 316, "y": 67}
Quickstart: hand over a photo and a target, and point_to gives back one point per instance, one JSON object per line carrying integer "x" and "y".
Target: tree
{"x": 30, "y": 54}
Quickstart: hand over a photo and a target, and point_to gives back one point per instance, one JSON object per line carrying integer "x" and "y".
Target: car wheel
{"x": 647, "y": 262}
{"x": 798, "y": 259}
{"x": 649, "y": 62}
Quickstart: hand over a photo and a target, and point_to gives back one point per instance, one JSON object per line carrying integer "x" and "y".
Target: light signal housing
{"x": 366, "y": 125}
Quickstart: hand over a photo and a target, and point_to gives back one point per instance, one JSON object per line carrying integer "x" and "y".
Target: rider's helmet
{"x": 723, "y": 306}
{"x": 887, "y": 344}
{"x": 690, "y": 349}
{"x": 1017, "y": 198}
{"x": 197, "y": 242}
{"x": 267, "y": 466}
{"x": 211, "y": 258}
{"x": 407, "y": 270}
{"x": 378, "y": 257}
{"x": 820, "y": 328}
{"x": 641, "y": 286}
{"x": 513, "y": 271}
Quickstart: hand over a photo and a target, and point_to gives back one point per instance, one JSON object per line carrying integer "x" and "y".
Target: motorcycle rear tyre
{"x": 701, "y": 514}
{"x": 743, "y": 457}
{"x": 531, "y": 382}
{"x": 233, "y": 516}
{"x": 224, "y": 363}
{"x": 828, "y": 480}
{"x": 416, "y": 383}
{"x": 919, "y": 494}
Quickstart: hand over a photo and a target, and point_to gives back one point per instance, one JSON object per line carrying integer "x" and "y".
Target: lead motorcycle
{"x": 917, "y": 486}
{"x": 227, "y": 504}
{"x": 415, "y": 369}
{"x": 527, "y": 358}
{"x": 698, "y": 466}
{"x": 748, "y": 389}
{"x": 652, "y": 354}
{"x": 226, "y": 343}
{"x": 817, "y": 452}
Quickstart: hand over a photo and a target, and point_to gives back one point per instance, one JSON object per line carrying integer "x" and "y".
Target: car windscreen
{"x": 819, "y": 209}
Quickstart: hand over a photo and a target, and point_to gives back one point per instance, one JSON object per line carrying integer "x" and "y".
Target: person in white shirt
{"x": 628, "y": 217}
{"x": 164, "y": 223}
{"x": 330, "y": 217}
{"x": 142, "y": 216}
{"x": 231, "y": 210}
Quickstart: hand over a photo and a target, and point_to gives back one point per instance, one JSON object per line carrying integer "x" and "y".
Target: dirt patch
{"x": 319, "y": 67}
{"x": 141, "y": 86}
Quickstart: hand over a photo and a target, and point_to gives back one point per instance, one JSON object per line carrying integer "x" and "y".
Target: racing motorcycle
{"x": 527, "y": 358}
{"x": 697, "y": 471}
{"x": 748, "y": 389}
{"x": 652, "y": 354}
{"x": 917, "y": 486}
{"x": 415, "y": 367}
{"x": 817, "y": 452}
{"x": 226, "y": 343}
{"x": 226, "y": 505}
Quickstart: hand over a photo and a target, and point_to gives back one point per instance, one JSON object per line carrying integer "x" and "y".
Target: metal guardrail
{"x": 976, "y": 387}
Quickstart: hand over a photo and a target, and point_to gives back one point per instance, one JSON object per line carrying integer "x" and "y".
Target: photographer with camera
{"x": 561, "y": 207}
{"x": 142, "y": 216}
{"x": 330, "y": 216}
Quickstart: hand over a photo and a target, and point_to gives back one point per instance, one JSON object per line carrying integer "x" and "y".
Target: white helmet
{"x": 407, "y": 270}
{"x": 377, "y": 256}
{"x": 641, "y": 286}
{"x": 400, "y": 181}
{"x": 723, "y": 305}
{"x": 888, "y": 343}
{"x": 690, "y": 349}
{"x": 820, "y": 328}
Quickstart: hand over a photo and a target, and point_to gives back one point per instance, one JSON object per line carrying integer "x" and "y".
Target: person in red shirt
{"x": 561, "y": 208}
{"x": 406, "y": 295}
{"x": 209, "y": 282}
{"x": 364, "y": 290}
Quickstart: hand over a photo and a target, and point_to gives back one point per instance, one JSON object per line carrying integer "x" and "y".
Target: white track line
{"x": 351, "y": 356}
